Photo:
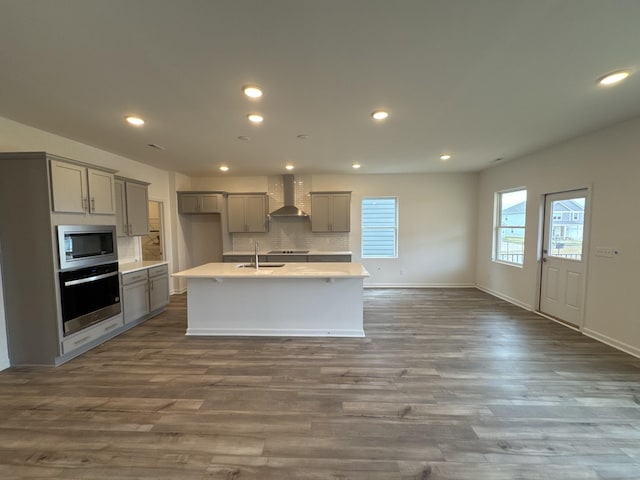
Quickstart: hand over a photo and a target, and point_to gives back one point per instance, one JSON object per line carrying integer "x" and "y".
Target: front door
{"x": 563, "y": 256}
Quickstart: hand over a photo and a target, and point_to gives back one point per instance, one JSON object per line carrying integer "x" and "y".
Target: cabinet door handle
{"x": 85, "y": 204}
{"x": 82, "y": 340}
{"x": 93, "y": 204}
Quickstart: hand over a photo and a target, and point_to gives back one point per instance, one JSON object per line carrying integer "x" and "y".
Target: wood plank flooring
{"x": 448, "y": 384}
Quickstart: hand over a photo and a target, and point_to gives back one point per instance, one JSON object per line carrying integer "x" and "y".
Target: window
{"x": 380, "y": 227}
{"x": 511, "y": 208}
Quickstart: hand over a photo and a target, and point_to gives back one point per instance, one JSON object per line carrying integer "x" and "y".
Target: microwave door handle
{"x": 70, "y": 283}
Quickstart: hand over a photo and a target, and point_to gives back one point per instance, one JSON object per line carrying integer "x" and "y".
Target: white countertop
{"x": 135, "y": 266}
{"x": 266, "y": 252}
{"x": 289, "y": 270}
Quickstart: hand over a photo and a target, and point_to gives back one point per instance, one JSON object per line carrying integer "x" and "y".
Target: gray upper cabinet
{"x": 77, "y": 188}
{"x": 199, "y": 202}
{"x": 330, "y": 211}
{"x": 132, "y": 207}
{"x": 247, "y": 212}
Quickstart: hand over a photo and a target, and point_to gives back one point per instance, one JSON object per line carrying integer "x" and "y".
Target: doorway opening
{"x": 153, "y": 244}
{"x": 564, "y": 258}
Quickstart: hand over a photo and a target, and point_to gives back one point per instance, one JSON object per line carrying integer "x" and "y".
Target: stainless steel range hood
{"x": 289, "y": 209}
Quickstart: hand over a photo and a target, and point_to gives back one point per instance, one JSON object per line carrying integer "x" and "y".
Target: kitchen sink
{"x": 260, "y": 265}
{"x": 288, "y": 252}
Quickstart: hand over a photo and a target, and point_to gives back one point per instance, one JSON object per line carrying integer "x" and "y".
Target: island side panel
{"x": 275, "y": 307}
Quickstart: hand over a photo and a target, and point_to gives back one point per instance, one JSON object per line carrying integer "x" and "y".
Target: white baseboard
{"x": 612, "y": 342}
{"x": 231, "y": 332}
{"x": 4, "y": 364}
{"x": 506, "y": 298}
{"x": 419, "y": 285}
{"x": 178, "y": 292}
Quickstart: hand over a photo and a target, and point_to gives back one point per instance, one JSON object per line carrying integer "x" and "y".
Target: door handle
{"x": 544, "y": 259}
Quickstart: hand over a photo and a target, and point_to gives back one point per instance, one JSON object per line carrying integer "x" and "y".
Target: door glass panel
{"x": 567, "y": 228}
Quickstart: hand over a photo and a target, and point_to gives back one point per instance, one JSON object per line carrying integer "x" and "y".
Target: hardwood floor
{"x": 448, "y": 384}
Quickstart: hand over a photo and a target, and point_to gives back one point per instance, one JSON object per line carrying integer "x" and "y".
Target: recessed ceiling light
{"x": 356, "y": 165}
{"x": 133, "y": 120}
{"x": 252, "y": 91}
{"x": 156, "y": 146}
{"x": 255, "y": 117}
{"x": 379, "y": 114}
{"x": 224, "y": 168}
{"x": 289, "y": 167}
{"x": 243, "y": 137}
{"x": 613, "y": 77}
{"x": 303, "y": 136}
{"x": 445, "y": 157}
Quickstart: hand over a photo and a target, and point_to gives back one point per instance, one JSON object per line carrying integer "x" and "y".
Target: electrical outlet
{"x": 604, "y": 252}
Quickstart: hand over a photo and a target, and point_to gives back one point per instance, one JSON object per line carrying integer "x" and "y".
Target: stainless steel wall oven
{"x": 89, "y": 279}
{"x": 89, "y": 295}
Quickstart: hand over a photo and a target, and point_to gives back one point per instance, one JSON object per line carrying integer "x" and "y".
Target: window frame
{"x": 498, "y": 227}
{"x": 395, "y": 227}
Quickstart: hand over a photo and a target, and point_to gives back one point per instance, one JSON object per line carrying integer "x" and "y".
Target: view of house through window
{"x": 510, "y": 222}
{"x": 567, "y": 228}
{"x": 380, "y": 227}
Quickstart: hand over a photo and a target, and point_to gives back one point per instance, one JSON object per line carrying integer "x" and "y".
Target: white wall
{"x": 609, "y": 162}
{"x": 437, "y": 226}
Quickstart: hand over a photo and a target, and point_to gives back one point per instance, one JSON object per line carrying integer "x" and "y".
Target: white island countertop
{"x": 267, "y": 270}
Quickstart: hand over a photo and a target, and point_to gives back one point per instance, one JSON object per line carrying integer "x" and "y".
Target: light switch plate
{"x": 604, "y": 252}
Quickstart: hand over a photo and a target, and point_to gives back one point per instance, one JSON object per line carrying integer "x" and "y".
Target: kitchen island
{"x": 290, "y": 299}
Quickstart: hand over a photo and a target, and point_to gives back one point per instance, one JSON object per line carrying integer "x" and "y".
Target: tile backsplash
{"x": 291, "y": 234}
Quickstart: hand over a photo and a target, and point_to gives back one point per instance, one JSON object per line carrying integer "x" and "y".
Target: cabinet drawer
{"x": 92, "y": 333}
{"x": 287, "y": 258}
{"x": 133, "y": 277}
{"x": 243, "y": 258}
{"x": 159, "y": 270}
{"x": 329, "y": 258}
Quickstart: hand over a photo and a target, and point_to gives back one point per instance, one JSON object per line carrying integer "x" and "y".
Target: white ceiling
{"x": 482, "y": 79}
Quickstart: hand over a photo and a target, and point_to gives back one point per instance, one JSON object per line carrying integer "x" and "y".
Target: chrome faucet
{"x": 255, "y": 261}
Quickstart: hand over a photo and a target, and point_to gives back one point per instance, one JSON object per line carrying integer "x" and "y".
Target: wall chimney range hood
{"x": 289, "y": 209}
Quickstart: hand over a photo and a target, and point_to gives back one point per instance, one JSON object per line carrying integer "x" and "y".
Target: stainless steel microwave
{"x": 86, "y": 245}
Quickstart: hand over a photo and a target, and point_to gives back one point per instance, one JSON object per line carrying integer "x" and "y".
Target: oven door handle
{"x": 70, "y": 283}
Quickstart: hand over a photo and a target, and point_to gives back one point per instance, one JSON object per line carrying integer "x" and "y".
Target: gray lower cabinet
{"x": 287, "y": 258}
{"x": 144, "y": 292}
{"x": 243, "y": 258}
{"x": 135, "y": 295}
{"x": 158, "y": 287}
{"x": 329, "y": 258}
